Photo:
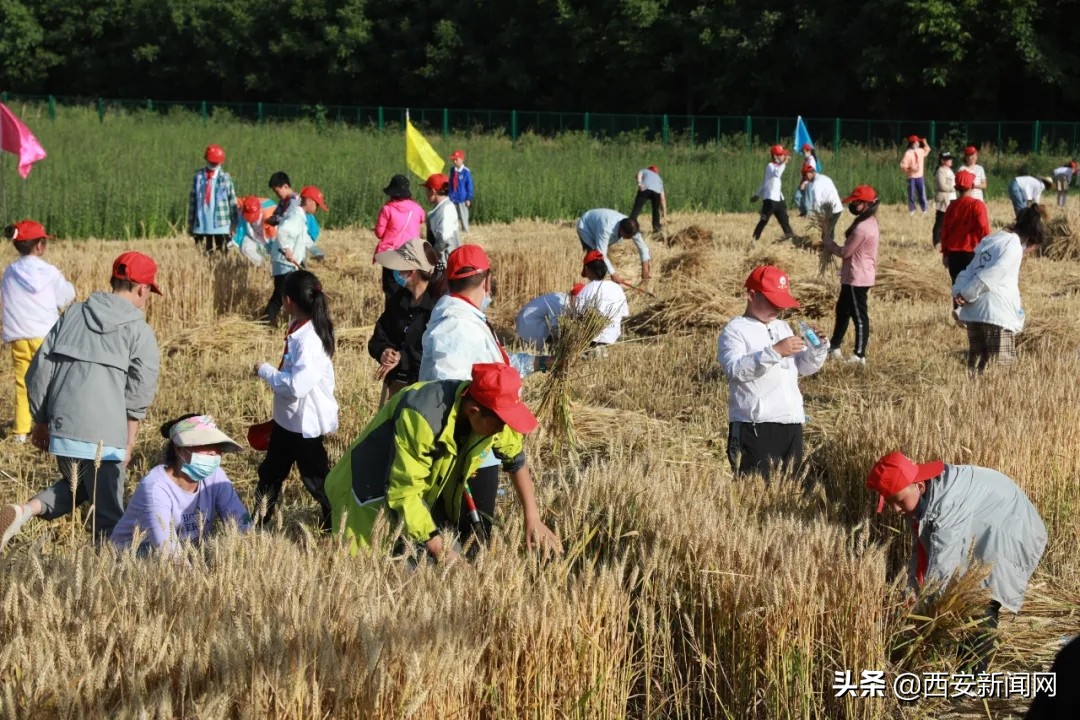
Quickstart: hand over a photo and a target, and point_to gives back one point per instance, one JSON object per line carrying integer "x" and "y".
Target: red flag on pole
{"x": 17, "y": 139}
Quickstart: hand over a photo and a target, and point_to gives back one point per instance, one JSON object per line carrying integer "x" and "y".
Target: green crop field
{"x": 128, "y": 175}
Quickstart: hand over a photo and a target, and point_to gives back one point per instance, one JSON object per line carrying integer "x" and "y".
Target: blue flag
{"x": 802, "y": 137}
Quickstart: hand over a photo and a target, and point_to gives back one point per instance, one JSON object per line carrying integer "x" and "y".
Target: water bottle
{"x": 808, "y": 333}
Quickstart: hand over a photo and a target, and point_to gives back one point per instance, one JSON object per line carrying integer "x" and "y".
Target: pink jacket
{"x": 399, "y": 221}
{"x": 913, "y": 162}
{"x": 859, "y": 253}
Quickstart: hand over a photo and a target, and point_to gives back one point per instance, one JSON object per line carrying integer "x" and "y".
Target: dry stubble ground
{"x": 681, "y": 594}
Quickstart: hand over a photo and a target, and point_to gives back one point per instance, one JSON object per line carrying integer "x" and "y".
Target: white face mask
{"x": 485, "y": 303}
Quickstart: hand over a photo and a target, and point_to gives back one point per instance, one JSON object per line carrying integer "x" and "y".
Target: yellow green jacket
{"x": 412, "y": 455}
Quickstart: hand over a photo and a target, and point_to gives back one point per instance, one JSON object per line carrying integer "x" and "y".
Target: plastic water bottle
{"x": 808, "y": 333}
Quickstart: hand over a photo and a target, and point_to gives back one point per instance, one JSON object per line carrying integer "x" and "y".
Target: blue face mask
{"x": 485, "y": 303}
{"x": 399, "y": 278}
{"x": 201, "y": 466}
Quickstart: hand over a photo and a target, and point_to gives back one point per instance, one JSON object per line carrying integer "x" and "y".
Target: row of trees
{"x": 1003, "y": 59}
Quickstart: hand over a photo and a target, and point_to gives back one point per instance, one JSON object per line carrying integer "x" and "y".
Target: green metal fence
{"x": 1035, "y": 136}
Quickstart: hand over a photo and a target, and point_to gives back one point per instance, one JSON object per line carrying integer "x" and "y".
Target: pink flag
{"x": 17, "y": 139}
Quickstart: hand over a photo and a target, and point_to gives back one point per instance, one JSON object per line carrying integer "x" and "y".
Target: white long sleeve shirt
{"x": 762, "y": 386}
{"x": 1031, "y": 188}
{"x": 304, "y": 386}
{"x": 823, "y": 194}
{"x": 770, "y": 186}
{"x": 599, "y": 229}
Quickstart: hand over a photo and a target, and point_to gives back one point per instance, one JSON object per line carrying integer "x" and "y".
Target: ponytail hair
{"x": 306, "y": 292}
{"x": 170, "y": 449}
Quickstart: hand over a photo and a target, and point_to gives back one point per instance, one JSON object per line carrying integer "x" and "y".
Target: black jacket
{"x": 401, "y": 327}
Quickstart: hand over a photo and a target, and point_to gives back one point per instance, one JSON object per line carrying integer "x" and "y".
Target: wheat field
{"x": 682, "y": 594}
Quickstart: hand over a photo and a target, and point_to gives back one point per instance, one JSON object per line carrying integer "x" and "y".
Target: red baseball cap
{"x": 808, "y": 167}
{"x": 1073, "y": 164}
{"x": 576, "y": 290}
{"x": 862, "y": 193}
{"x": 29, "y": 230}
{"x": 965, "y": 180}
{"x": 438, "y": 181}
{"x": 137, "y": 268}
{"x": 497, "y": 387}
{"x": 771, "y": 282}
{"x": 913, "y": 138}
{"x": 896, "y": 471}
{"x": 807, "y": 146}
{"x": 466, "y": 261}
{"x": 457, "y": 154}
{"x": 777, "y": 150}
{"x": 971, "y": 150}
{"x": 310, "y": 192}
{"x": 214, "y": 154}
{"x": 251, "y": 208}
{"x": 654, "y": 169}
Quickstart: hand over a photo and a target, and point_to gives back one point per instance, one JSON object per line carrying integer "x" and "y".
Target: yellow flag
{"x": 419, "y": 155}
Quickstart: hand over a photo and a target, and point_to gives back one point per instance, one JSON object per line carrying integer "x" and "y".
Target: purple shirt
{"x": 165, "y": 513}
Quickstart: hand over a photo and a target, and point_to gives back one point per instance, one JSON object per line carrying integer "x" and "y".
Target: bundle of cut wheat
{"x": 576, "y": 333}
{"x": 698, "y": 305}
{"x": 1063, "y": 236}
{"x": 901, "y": 280}
{"x": 690, "y": 237}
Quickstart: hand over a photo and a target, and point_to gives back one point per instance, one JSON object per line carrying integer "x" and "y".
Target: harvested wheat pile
{"x": 900, "y": 280}
{"x": 226, "y": 336}
{"x": 697, "y": 306}
{"x": 1063, "y": 236}
{"x": 817, "y": 298}
{"x": 690, "y": 237}
{"x": 696, "y": 263}
{"x": 1043, "y": 333}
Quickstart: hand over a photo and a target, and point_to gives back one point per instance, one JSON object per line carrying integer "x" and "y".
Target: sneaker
{"x": 835, "y": 354}
{"x": 12, "y": 518}
{"x": 856, "y": 360}
{"x": 21, "y": 439}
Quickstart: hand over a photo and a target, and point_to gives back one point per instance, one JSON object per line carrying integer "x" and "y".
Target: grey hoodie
{"x": 97, "y": 368}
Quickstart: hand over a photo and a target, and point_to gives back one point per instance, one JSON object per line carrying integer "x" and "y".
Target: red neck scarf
{"x": 209, "y": 185}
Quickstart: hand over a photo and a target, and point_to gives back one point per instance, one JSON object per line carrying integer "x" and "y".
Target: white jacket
{"x": 991, "y": 283}
{"x": 762, "y": 386}
{"x": 823, "y": 194}
{"x": 444, "y": 232}
{"x": 539, "y": 319}
{"x": 33, "y": 293}
{"x": 304, "y": 386}
{"x": 457, "y": 337}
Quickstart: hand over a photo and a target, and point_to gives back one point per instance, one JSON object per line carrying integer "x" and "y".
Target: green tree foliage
{"x": 910, "y": 58}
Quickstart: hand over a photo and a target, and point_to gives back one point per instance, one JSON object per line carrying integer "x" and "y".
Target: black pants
{"x": 309, "y": 455}
{"x": 768, "y": 209}
{"x": 639, "y": 202}
{"x": 851, "y": 305}
{"x": 764, "y": 447}
{"x": 273, "y": 306}
{"x": 211, "y": 241}
{"x": 939, "y": 219}
{"x": 958, "y": 262}
{"x": 485, "y": 489}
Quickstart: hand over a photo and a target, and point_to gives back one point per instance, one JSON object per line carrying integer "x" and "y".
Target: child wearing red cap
{"x": 822, "y": 198}
{"x": 443, "y": 232}
{"x": 459, "y": 336}
{"x": 461, "y": 188}
{"x": 89, "y": 387}
{"x": 212, "y": 202}
{"x": 1063, "y": 177}
{"x": 802, "y": 196}
{"x": 763, "y": 360}
{"x": 600, "y": 228}
{"x": 912, "y": 164}
{"x": 603, "y": 294}
{"x": 962, "y": 511}
{"x": 964, "y": 225}
{"x": 33, "y": 292}
{"x": 858, "y": 271}
{"x": 537, "y": 323}
{"x": 417, "y": 459}
{"x": 650, "y": 188}
{"x": 311, "y": 201}
{"x": 971, "y": 164}
{"x": 771, "y": 194}
{"x": 944, "y": 194}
